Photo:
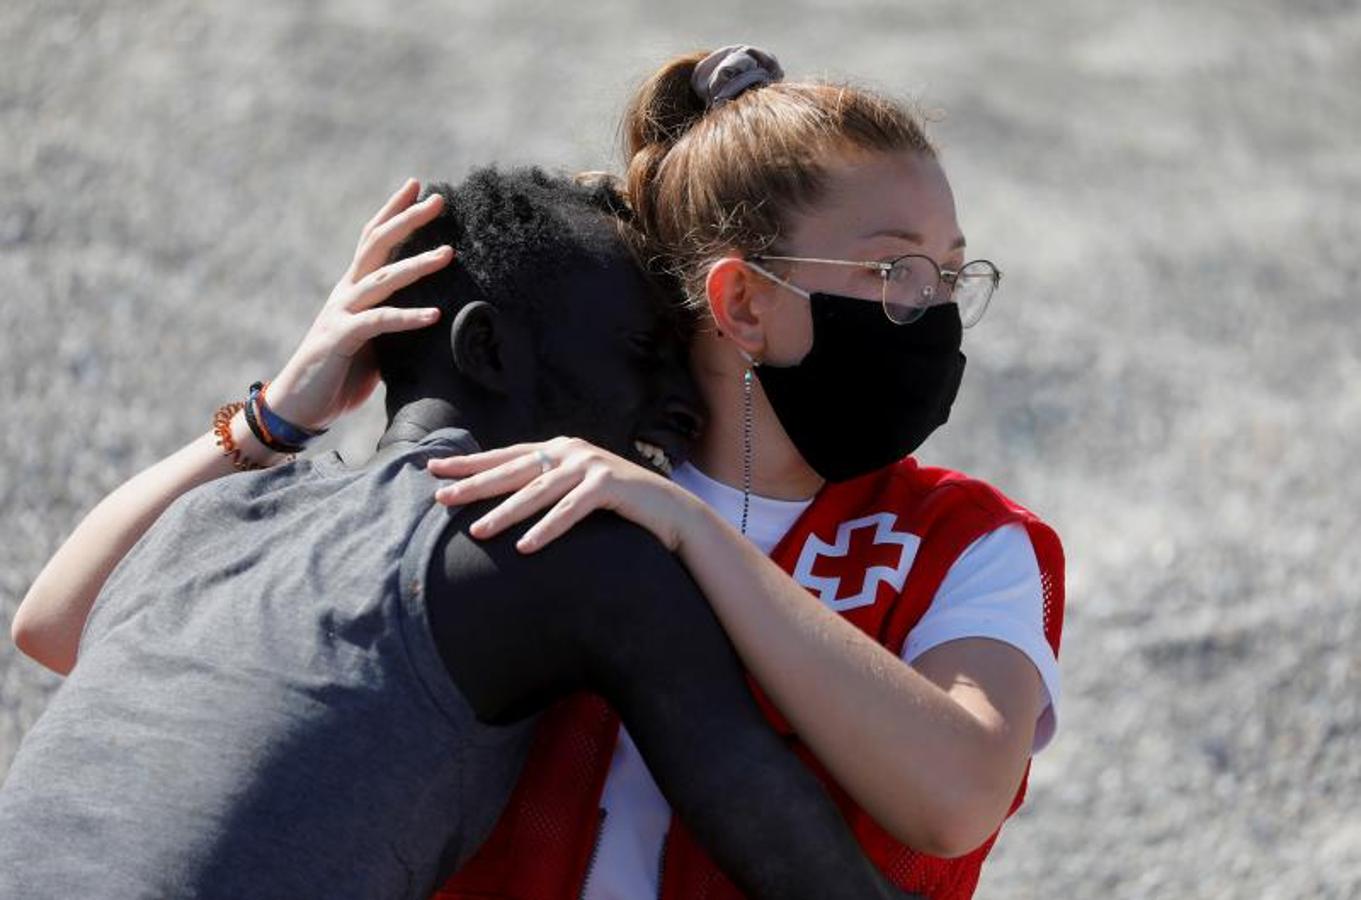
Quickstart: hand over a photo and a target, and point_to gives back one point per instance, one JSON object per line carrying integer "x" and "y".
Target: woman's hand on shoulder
{"x": 570, "y": 478}
{"x": 333, "y": 370}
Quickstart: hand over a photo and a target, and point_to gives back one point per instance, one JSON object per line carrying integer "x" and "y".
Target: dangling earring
{"x": 748, "y": 376}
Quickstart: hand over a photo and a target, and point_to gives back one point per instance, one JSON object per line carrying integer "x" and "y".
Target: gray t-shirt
{"x": 259, "y": 709}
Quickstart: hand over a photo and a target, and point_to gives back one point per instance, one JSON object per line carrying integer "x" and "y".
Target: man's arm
{"x": 609, "y": 609}
{"x": 933, "y": 752}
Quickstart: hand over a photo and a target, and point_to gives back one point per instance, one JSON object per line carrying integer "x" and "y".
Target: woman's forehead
{"x": 884, "y": 198}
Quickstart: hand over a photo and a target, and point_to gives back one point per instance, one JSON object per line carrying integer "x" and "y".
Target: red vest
{"x": 874, "y": 549}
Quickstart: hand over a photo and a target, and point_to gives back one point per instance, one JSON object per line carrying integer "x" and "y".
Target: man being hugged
{"x": 310, "y": 681}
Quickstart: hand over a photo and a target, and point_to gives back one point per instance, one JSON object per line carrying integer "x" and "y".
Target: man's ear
{"x": 737, "y": 299}
{"x": 476, "y": 342}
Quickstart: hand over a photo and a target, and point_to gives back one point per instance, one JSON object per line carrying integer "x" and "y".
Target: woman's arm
{"x": 49, "y": 621}
{"x": 934, "y": 751}
{"x": 328, "y": 374}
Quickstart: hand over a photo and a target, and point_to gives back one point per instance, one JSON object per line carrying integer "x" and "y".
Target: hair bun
{"x": 729, "y": 71}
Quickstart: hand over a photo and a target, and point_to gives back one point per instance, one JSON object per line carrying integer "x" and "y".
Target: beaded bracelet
{"x": 222, "y": 428}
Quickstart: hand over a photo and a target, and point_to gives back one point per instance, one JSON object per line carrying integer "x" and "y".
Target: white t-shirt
{"x": 992, "y": 590}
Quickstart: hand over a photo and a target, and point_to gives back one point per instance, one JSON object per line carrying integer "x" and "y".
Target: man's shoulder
{"x": 442, "y": 442}
{"x": 601, "y": 548}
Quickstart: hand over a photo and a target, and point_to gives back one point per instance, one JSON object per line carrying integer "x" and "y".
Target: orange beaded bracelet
{"x": 222, "y": 428}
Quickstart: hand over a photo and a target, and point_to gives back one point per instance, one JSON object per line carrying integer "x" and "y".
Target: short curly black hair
{"x": 513, "y": 232}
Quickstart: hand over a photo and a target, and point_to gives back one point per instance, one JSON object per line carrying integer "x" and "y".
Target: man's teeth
{"x": 653, "y": 454}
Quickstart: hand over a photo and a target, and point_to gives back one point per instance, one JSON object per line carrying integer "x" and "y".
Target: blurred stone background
{"x": 1171, "y": 373}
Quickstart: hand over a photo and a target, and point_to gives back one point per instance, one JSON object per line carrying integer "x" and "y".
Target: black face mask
{"x": 870, "y": 391}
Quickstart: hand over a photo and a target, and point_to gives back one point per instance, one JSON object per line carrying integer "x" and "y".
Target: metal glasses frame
{"x": 945, "y": 277}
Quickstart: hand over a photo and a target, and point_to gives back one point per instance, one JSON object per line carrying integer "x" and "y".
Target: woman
{"x": 815, "y": 235}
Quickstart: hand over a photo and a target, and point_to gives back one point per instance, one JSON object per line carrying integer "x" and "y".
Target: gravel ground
{"x": 1170, "y": 374}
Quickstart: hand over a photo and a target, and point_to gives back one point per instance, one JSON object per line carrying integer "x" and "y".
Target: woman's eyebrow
{"x": 910, "y": 236}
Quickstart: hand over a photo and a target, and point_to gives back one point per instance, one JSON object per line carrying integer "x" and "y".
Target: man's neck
{"x": 418, "y": 418}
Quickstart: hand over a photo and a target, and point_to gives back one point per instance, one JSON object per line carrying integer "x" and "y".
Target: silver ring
{"x": 545, "y": 461}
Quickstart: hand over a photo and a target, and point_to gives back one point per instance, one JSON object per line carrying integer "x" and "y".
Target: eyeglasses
{"x": 912, "y": 284}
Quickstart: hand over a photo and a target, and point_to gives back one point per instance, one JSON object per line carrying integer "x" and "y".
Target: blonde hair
{"x": 702, "y": 182}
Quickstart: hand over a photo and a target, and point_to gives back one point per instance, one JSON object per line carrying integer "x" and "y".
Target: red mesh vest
{"x": 875, "y": 549}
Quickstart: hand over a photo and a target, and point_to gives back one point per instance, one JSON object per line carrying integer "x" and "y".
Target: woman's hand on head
{"x": 570, "y": 478}
{"x": 333, "y": 370}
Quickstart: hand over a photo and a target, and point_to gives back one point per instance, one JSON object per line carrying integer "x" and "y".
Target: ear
{"x": 476, "y": 342}
{"x": 738, "y": 300}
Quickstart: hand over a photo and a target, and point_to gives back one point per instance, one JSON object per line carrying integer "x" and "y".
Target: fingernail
{"x": 430, "y": 314}
{"x": 526, "y": 545}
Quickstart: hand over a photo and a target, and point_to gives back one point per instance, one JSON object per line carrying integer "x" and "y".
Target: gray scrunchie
{"x": 729, "y": 71}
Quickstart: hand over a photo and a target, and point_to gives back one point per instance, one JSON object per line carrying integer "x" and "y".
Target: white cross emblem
{"x": 827, "y": 587}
